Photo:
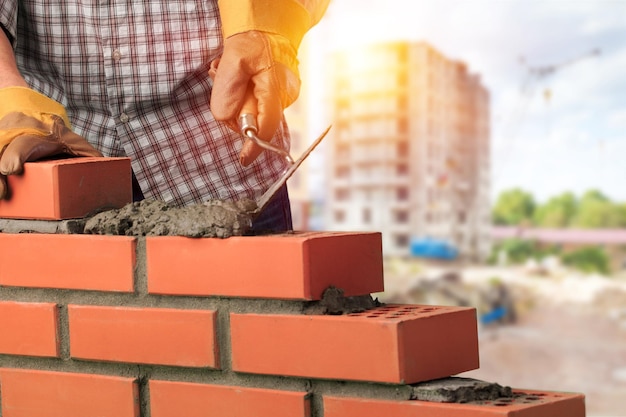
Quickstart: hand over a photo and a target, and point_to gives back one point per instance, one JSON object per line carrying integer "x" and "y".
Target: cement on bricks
{"x": 71, "y": 226}
{"x": 215, "y": 218}
{"x": 459, "y": 390}
{"x": 333, "y": 302}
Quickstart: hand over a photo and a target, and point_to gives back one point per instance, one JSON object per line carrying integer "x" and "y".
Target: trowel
{"x": 248, "y": 126}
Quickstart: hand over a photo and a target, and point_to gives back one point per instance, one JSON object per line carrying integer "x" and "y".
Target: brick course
{"x": 525, "y": 404}
{"x": 290, "y": 266}
{"x": 168, "y": 398}
{"x": 396, "y": 344}
{"x": 29, "y": 329}
{"x": 67, "y": 188}
{"x": 81, "y": 262}
{"x": 143, "y": 335}
{"x": 34, "y": 393}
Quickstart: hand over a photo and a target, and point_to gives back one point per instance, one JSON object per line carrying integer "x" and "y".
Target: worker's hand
{"x": 257, "y": 74}
{"x": 32, "y": 127}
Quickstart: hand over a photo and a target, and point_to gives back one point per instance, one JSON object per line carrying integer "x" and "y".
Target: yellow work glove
{"x": 258, "y": 70}
{"x": 33, "y": 126}
{"x": 257, "y": 74}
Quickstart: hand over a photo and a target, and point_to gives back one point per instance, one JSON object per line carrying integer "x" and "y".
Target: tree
{"x": 514, "y": 207}
{"x": 588, "y": 259}
{"x": 557, "y": 212}
{"x": 596, "y": 211}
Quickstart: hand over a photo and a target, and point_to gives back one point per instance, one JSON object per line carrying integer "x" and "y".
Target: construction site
{"x": 544, "y": 326}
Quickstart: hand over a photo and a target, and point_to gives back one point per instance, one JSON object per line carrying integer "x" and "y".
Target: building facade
{"x": 409, "y": 152}
{"x": 297, "y": 116}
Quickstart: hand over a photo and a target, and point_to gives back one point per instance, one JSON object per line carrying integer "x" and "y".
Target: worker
{"x": 131, "y": 79}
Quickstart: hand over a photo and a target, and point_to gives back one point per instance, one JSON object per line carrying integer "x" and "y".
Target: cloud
{"x": 617, "y": 119}
{"x": 604, "y": 23}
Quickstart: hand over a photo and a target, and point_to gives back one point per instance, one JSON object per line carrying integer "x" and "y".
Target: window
{"x": 401, "y": 240}
{"x": 340, "y": 216}
{"x": 367, "y": 216}
{"x": 342, "y": 194}
{"x": 342, "y": 172}
{"x": 403, "y": 124}
{"x": 403, "y": 148}
{"x": 401, "y": 216}
{"x": 402, "y": 169}
{"x": 402, "y": 194}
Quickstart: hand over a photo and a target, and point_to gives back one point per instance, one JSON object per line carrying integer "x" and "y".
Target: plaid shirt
{"x": 133, "y": 78}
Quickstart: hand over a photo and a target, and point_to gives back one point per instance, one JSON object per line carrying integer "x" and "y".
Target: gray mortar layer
{"x": 215, "y": 218}
{"x": 72, "y": 226}
{"x": 459, "y": 390}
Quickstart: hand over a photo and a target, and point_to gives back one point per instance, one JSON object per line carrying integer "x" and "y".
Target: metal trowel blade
{"x": 267, "y": 196}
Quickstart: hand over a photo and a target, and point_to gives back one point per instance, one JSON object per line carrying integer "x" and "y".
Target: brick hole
{"x": 395, "y": 312}
{"x": 531, "y": 398}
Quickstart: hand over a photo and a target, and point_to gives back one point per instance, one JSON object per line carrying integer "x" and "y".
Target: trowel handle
{"x": 249, "y": 128}
{"x": 247, "y": 124}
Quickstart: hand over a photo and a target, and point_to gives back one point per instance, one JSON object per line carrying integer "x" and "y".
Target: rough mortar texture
{"x": 215, "y": 218}
{"x": 333, "y": 302}
{"x": 42, "y": 226}
{"x": 459, "y": 390}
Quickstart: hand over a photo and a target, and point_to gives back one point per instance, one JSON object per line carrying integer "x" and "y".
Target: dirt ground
{"x": 560, "y": 349}
{"x": 569, "y": 335}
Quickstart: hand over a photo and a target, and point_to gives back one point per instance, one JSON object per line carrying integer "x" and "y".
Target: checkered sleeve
{"x": 8, "y": 18}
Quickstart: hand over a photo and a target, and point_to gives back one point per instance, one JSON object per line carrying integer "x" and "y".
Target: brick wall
{"x": 116, "y": 326}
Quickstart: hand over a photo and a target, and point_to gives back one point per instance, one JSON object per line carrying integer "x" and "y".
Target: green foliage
{"x": 514, "y": 207}
{"x": 597, "y": 211}
{"x": 594, "y": 210}
{"x": 558, "y": 212}
{"x": 519, "y": 251}
{"x": 588, "y": 259}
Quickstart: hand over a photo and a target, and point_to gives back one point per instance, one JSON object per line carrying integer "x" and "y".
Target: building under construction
{"x": 409, "y": 154}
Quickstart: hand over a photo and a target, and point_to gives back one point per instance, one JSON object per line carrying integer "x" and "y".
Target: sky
{"x": 564, "y": 131}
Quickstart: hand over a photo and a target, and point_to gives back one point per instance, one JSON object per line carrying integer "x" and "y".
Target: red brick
{"x": 290, "y": 266}
{"x": 395, "y": 344}
{"x": 68, "y": 188}
{"x": 143, "y": 335}
{"x": 82, "y": 262}
{"x": 29, "y": 329}
{"x": 32, "y": 393}
{"x": 175, "y": 399}
{"x": 532, "y": 404}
